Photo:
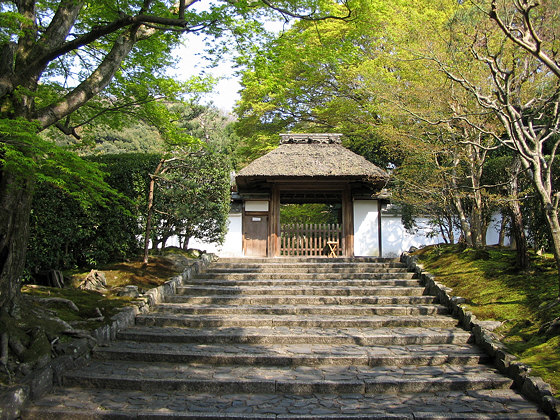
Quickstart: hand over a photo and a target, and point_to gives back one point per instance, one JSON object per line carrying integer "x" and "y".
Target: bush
{"x": 66, "y": 234}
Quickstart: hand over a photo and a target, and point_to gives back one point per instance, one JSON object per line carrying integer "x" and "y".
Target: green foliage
{"x": 25, "y": 153}
{"x": 337, "y": 76}
{"x": 525, "y": 302}
{"x": 192, "y": 197}
{"x": 65, "y": 234}
{"x": 310, "y": 213}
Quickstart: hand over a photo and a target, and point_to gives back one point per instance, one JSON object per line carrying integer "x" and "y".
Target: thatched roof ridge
{"x": 312, "y": 160}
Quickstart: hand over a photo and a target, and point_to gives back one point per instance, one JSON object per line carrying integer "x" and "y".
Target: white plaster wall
{"x": 366, "y": 228}
{"x": 256, "y": 205}
{"x": 233, "y": 243}
{"x": 396, "y": 239}
{"x": 493, "y": 232}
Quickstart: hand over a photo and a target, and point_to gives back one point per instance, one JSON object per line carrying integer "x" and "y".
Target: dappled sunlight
{"x": 495, "y": 291}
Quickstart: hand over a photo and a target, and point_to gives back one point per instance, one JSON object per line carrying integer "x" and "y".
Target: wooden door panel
{"x": 255, "y": 235}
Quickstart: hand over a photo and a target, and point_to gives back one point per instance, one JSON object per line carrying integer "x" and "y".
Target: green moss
{"x": 545, "y": 361}
{"x": 495, "y": 290}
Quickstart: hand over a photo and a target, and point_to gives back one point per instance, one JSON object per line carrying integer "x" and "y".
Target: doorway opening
{"x": 311, "y": 228}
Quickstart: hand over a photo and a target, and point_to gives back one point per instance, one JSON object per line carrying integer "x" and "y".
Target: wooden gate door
{"x": 255, "y": 235}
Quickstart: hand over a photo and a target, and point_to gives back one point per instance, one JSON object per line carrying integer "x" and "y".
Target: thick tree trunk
{"x": 521, "y": 256}
{"x": 465, "y": 226}
{"x": 554, "y": 223}
{"x": 16, "y": 193}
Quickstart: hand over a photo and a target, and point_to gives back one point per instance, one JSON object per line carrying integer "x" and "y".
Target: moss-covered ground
{"x": 41, "y": 321}
{"x": 525, "y": 301}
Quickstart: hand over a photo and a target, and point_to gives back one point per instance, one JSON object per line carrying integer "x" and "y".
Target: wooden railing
{"x": 310, "y": 239}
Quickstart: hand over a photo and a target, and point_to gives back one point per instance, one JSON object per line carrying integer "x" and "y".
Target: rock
{"x": 554, "y": 327}
{"x": 12, "y": 401}
{"x": 95, "y": 281}
{"x": 130, "y": 290}
{"x": 194, "y": 253}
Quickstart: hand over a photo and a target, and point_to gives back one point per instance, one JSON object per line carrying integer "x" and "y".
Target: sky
{"x": 192, "y": 64}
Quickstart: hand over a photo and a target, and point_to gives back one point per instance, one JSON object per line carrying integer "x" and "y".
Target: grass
{"x": 524, "y": 301}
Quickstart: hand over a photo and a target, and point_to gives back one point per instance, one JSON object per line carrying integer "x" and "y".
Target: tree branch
{"x": 309, "y": 16}
{"x": 530, "y": 40}
{"x": 91, "y": 86}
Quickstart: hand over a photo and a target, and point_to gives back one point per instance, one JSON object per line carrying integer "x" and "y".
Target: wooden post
{"x": 347, "y": 223}
{"x": 274, "y": 223}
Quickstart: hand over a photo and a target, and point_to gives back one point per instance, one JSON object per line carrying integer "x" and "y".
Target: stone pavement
{"x": 291, "y": 338}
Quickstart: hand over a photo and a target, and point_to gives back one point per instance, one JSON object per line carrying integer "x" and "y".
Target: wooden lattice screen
{"x": 310, "y": 239}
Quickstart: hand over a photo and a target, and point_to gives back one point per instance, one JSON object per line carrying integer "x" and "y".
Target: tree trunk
{"x": 553, "y": 222}
{"x": 502, "y": 233}
{"x": 16, "y": 193}
{"x": 186, "y": 240}
{"x": 150, "y": 211}
{"x": 518, "y": 230}
{"x": 465, "y": 227}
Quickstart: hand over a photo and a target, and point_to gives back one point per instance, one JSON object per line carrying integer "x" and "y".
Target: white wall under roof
{"x": 366, "y": 228}
{"x": 395, "y": 238}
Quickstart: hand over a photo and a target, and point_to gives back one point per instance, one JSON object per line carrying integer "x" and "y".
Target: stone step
{"x": 157, "y": 377}
{"x": 81, "y": 404}
{"x": 294, "y": 335}
{"x": 293, "y": 354}
{"x": 301, "y": 300}
{"x": 306, "y": 283}
{"x": 306, "y": 268}
{"x": 218, "y": 309}
{"x": 298, "y": 335}
{"x": 324, "y": 265}
{"x": 198, "y": 290}
{"x": 305, "y": 276}
{"x": 306, "y": 260}
{"x": 346, "y": 321}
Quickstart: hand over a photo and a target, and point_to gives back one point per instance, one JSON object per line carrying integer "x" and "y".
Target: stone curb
{"x": 532, "y": 387}
{"x": 78, "y": 352}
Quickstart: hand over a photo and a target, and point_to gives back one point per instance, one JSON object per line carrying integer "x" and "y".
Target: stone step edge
{"x": 223, "y": 359}
{"x": 48, "y": 413}
{"x": 275, "y": 386}
{"x": 195, "y": 335}
{"x": 320, "y": 299}
{"x": 285, "y": 320}
{"x": 326, "y": 309}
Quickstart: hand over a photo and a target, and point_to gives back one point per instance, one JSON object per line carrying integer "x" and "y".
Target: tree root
{"x": 55, "y": 300}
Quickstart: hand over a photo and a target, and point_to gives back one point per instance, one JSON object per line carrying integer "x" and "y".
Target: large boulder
{"x": 95, "y": 281}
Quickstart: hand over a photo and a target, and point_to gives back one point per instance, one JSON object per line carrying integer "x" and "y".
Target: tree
{"x": 64, "y": 63}
{"x": 192, "y": 198}
{"x": 515, "y": 43}
{"x": 363, "y": 79}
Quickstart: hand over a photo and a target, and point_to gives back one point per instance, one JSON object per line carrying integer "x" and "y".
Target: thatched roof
{"x": 312, "y": 156}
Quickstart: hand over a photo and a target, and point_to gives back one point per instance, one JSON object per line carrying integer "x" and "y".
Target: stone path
{"x": 286, "y": 339}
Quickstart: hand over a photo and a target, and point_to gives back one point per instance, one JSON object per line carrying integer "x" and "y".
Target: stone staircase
{"x": 291, "y": 338}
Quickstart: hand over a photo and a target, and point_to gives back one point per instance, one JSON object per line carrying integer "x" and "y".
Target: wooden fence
{"x": 310, "y": 239}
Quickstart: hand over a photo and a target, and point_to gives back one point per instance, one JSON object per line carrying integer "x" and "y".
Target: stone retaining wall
{"x": 532, "y": 387}
{"x": 77, "y": 352}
